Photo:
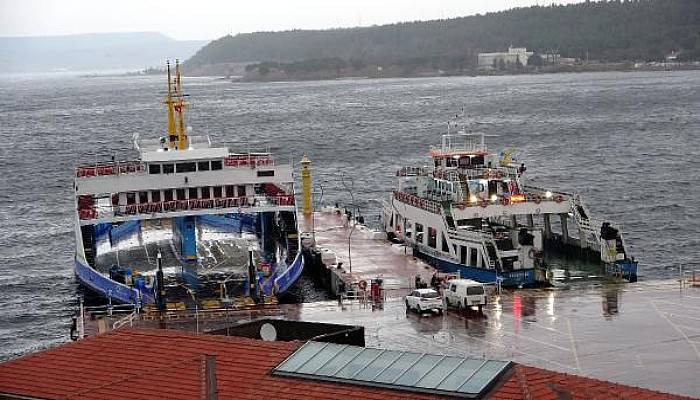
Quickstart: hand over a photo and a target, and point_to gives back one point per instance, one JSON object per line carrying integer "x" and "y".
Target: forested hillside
{"x": 604, "y": 30}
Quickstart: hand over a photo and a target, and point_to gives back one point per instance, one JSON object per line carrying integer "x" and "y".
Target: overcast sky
{"x": 208, "y": 19}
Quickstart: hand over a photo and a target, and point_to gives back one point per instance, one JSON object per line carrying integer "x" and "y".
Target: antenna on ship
{"x": 177, "y": 134}
{"x": 172, "y": 135}
{"x": 180, "y": 109}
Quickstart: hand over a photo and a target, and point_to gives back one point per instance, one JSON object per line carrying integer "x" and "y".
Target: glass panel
{"x": 397, "y": 368}
{"x": 339, "y": 361}
{"x": 461, "y": 374}
{"x": 474, "y": 290}
{"x": 430, "y": 295}
{"x": 154, "y": 168}
{"x": 186, "y": 167}
{"x": 425, "y": 364}
{"x": 301, "y": 356}
{"x": 203, "y": 165}
{"x": 378, "y": 365}
{"x": 168, "y": 168}
{"x": 320, "y": 359}
{"x": 358, "y": 363}
{"x": 483, "y": 377}
{"x": 215, "y": 165}
{"x": 438, "y": 373}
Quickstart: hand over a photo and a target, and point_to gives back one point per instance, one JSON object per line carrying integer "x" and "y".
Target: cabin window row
{"x": 200, "y": 193}
{"x": 183, "y": 167}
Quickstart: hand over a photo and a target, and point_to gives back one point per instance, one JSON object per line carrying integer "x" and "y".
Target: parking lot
{"x": 645, "y": 334}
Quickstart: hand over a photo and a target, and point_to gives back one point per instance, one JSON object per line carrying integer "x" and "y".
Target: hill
{"x": 610, "y": 31}
{"x": 91, "y": 52}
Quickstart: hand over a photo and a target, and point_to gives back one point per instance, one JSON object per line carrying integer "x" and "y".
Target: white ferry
{"x": 199, "y": 221}
{"x": 470, "y": 212}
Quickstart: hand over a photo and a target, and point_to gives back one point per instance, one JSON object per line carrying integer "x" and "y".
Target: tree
{"x": 501, "y": 64}
{"x": 535, "y": 60}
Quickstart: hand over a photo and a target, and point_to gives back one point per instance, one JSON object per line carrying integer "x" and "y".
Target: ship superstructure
{"x": 470, "y": 212}
{"x": 216, "y": 223}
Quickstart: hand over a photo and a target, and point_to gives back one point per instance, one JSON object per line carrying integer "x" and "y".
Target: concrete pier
{"x": 370, "y": 257}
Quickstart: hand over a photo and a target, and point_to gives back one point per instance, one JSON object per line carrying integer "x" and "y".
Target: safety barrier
{"x": 129, "y": 167}
{"x": 248, "y": 161}
{"x": 287, "y": 278}
{"x": 193, "y": 204}
{"x": 123, "y": 230}
{"x": 240, "y": 223}
{"x": 416, "y": 201}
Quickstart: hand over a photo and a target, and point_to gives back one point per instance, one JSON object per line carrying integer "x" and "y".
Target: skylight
{"x": 467, "y": 377}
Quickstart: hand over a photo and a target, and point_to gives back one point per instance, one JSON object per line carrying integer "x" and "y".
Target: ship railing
{"x": 419, "y": 202}
{"x": 512, "y": 199}
{"x": 249, "y": 160}
{"x": 111, "y": 168}
{"x": 412, "y": 171}
{"x": 498, "y": 172}
{"x": 184, "y": 205}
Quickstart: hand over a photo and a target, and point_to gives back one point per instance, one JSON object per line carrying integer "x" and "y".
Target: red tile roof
{"x": 137, "y": 364}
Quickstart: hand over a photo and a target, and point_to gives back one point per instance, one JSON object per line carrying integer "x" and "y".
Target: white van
{"x": 465, "y": 293}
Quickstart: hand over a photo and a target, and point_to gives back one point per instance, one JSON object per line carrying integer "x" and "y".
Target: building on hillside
{"x": 168, "y": 364}
{"x": 507, "y": 60}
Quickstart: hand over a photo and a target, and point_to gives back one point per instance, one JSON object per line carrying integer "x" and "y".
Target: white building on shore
{"x": 510, "y": 59}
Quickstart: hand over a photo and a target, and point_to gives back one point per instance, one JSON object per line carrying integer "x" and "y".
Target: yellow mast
{"x": 171, "y": 112}
{"x": 306, "y": 186}
{"x": 180, "y": 108}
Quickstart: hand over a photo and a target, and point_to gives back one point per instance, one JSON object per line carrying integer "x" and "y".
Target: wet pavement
{"x": 370, "y": 257}
{"x": 644, "y": 334}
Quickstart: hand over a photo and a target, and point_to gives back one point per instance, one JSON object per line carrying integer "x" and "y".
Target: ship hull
{"x": 519, "y": 278}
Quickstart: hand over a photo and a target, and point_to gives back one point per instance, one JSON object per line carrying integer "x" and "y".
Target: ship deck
{"x": 218, "y": 252}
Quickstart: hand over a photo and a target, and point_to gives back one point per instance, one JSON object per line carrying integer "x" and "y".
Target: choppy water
{"x": 627, "y": 141}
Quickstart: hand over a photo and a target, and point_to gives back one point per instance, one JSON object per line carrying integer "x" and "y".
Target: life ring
{"x": 504, "y": 201}
{"x": 559, "y": 198}
{"x": 484, "y": 203}
{"x": 487, "y": 174}
{"x": 460, "y": 206}
{"x": 538, "y": 199}
{"x": 362, "y": 285}
{"x": 499, "y": 174}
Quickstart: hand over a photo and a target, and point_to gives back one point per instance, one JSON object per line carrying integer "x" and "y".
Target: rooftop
{"x": 131, "y": 364}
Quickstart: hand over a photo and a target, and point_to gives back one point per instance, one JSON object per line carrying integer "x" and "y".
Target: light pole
{"x": 352, "y": 228}
{"x": 313, "y": 214}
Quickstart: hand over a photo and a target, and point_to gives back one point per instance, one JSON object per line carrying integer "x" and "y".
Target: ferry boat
{"x": 186, "y": 220}
{"x": 469, "y": 212}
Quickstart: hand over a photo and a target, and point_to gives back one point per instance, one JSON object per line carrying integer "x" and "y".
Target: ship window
{"x": 217, "y": 191}
{"x": 266, "y": 173}
{"x": 216, "y": 165}
{"x": 168, "y": 168}
{"x": 445, "y": 246}
{"x": 193, "y": 193}
{"x": 241, "y": 190}
{"x": 206, "y": 192}
{"x": 168, "y": 195}
{"x": 155, "y": 196}
{"x": 154, "y": 168}
{"x": 186, "y": 167}
{"x": 130, "y": 198}
{"x": 432, "y": 237}
{"x": 203, "y": 165}
{"x": 143, "y": 197}
{"x": 230, "y": 191}
{"x": 473, "y": 256}
{"x": 180, "y": 194}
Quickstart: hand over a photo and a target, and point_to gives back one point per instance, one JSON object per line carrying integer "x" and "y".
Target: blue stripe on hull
{"x": 513, "y": 278}
{"x": 108, "y": 288}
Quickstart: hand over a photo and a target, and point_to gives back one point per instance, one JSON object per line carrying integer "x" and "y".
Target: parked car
{"x": 465, "y": 293}
{"x": 424, "y": 300}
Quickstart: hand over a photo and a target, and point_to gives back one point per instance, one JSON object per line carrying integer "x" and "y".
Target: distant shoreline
{"x": 387, "y": 73}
